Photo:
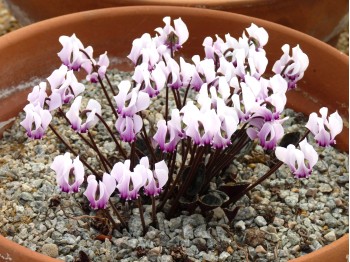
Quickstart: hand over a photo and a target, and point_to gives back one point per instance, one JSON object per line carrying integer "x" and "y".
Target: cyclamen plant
{"x": 222, "y": 102}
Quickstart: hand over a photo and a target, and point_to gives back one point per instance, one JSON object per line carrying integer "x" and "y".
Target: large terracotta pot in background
{"x": 28, "y": 56}
{"x": 323, "y": 19}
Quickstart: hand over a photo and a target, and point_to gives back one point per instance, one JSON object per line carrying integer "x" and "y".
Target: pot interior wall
{"x": 28, "y": 54}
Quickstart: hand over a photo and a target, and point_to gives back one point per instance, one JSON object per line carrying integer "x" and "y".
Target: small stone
{"x": 50, "y": 250}
{"x": 338, "y": 202}
{"x": 208, "y": 256}
{"x": 19, "y": 209}
{"x": 224, "y": 255}
{"x": 325, "y": 188}
{"x": 200, "y": 243}
{"x": 311, "y": 192}
{"x": 292, "y": 200}
{"x": 230, "y": 250}
{"x": 278, "y": 221}
{"x": 254, "y": 237}
{"x": 155, "y": 251}
{"x": 188, "y": 232}
{"x": 175, "y": 223}
{"x": 330, "y": 220}
{"x": 26, "y": 196}
{"x": 218, "y": 213}
{"x": 293, "y": 238}
{"x": 296, "y": 248}
{"x": 222, "y": 235}
{"x": 273, "y": 237}
{"x": 260, "y": 249}
{"x": 291, "y": 224}
{"x": 240, "y": 225}
{"x": 330, "y": 236}
{"x": 260, "y": 221}
{"x": 166, "y": 258}
{"x": 343, "y": 179}
{"x": 245, "y": 213}
{"x": 26, "y": 188}
{"x": 201, "y": 232}
{"x": 271, "y": 229}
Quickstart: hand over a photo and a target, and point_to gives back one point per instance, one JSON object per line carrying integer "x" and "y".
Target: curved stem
{"x": 115, "y": 211}
{"x": 121, "y": 150}
{"x": 98, "y": 153}
{"x": 84, "y": 139}
{"x": 142, "y": 216}
{"x": 73, "y": 151}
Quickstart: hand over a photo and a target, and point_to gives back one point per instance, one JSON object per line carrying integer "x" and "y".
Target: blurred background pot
{"x": 28, "y": 56}
{"x": 323, "y": 19}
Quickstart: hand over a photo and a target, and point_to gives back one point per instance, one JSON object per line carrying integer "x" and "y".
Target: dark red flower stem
{"x": 73, "y": 151}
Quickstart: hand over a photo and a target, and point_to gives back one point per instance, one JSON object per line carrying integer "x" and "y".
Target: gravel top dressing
{"x": 280, "y": 219}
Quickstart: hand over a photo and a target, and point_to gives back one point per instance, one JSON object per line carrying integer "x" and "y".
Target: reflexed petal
{"x": 181, "y": 30}
{"x": 309, "y": 152}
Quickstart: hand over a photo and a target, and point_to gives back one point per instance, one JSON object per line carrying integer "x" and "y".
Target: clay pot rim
{"x": 73, "y": 17}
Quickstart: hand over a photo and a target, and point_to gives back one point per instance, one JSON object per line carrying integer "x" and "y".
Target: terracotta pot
{"x": 28, "y": 56}
{"x": 323, "y": 19}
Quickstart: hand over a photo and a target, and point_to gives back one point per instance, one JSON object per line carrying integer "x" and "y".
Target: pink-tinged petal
{"x": 103, "y": 60}
{"x": 278, "y": 101}
{"x": 259, "y": 34}
{"x": 287, "y": 155}
{"x": 142, "y": 101}
{"x": 92, "y": 119}
{"x": 57, "y": 77}
{"x": 137, "y": 120}
{"x": 181, "y": 30}
{"x": 161, "y": 172}
{"x": 144, "y": 162}
{"x": 73, "y": 114}
{"x": 160, "y": 135}
{"x": 336, "y": 124}
{"x": 46, "y": 118}
{"x": 79, "y": 174}
{"x": 312, "y": 124}
{"x": 151, "y": 188}
{"x": 110, "y": 183}
{"x": 38, "y": 94}
{"x": 274, "y": 131}
{"x": 252, "y": 133}
{"x": 309, "y": 152}
{"x": 118, "y": 170}
{"x": 55, "y": 100}
{"x": 138, "y": 180}
{"x": 103, "y": 199}
{"x": 120, "y": 99}
{"x": 65, "y": 53}
{"x": 124, "y": 185}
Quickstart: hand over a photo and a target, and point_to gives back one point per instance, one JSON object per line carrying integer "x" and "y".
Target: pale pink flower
{"x": 300, "y": 161}
{"x": 69, "y": 174}
{"x": 38, "y": 95}
{"x": 36, "y": 121}
{"x": 155, "y": 179}
{"x": 98, "y": 193}
{"x": 325, "y": 130}
{"x": 73, "y": 114}
{"x": 129, "y": 183}
{"x": 291, "y": 68}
